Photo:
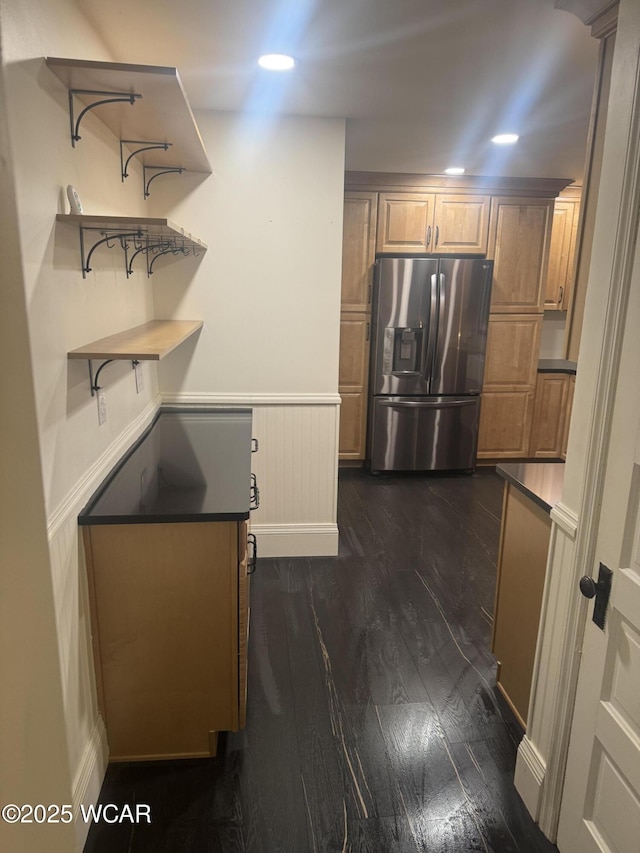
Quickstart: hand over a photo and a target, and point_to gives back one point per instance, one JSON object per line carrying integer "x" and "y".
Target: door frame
{"x": 542, "y": 754}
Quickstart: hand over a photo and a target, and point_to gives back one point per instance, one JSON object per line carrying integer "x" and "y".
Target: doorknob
{"x": 600, "y": 591}
{"x": 588, "y": 587}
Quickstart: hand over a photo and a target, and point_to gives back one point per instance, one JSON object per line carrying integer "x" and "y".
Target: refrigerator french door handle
{"x": 432, "y": 332}
{"x": 427, "y": 404}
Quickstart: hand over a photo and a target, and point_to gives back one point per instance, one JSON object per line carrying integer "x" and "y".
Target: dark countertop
{"x": 540, "y": 481}
{"x": 556, "y": 365}
{"x": 190, "y": 465}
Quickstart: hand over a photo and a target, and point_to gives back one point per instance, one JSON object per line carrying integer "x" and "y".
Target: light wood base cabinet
{"x": 551, "y": 417}
{"x": 522, "y": 562}
{"x": 505, "y": 424}
{"x": 169, "y": 609}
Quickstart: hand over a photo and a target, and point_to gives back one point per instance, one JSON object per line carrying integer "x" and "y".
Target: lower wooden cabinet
{"x": 567, "y": 417}
{"x": 551, "y": 415}
{"x": 353, "y": 384}
{"x": 524, "y": 543}
{"x": 170, "y": 616}
{"x": 505, "y": 424}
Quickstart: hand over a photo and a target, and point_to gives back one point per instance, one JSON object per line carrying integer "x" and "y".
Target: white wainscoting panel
{"x": 86, "y": 735}
{"x": 296, "y": 467}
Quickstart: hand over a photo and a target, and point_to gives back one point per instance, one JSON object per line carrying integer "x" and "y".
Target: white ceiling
{"x": 424, "y": 84}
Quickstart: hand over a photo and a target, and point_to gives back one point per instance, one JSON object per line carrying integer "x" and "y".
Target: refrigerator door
{"x": 404, "y": 325}
{"x": 464, "y": 292}
{"x": 424, "y": 433}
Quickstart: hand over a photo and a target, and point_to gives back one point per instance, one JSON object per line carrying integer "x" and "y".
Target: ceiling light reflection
{"x": 505, "y": 139}
{"x": 276, "y": 62}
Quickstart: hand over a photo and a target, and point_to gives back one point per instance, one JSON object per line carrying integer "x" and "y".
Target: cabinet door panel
{"x": 461, "y": 224}
{"x": 567, "y": 416}
{"x": 513, "y": 345}
{"x": 549, "y": 415}
{"x": 353, "y": 384}
{"x": 559, "y": 250}
{"x": 519, "y": 238}
{"x": 354, "y": 343}
{"x": 165, "y": 605}
{"x": 358, "y": 249}
{"x": 524, "y": 542}
{"x": 505, "y": 425}
{"x": 405, "y": 222}
{"x": 352, "y": 425}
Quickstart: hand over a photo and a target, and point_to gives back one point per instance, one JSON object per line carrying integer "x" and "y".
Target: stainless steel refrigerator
{"x": 429, "y": 332}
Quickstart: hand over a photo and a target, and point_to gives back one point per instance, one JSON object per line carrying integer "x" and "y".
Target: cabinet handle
{"x": 254, "y": 498}
{"x": 428, "y": 234}
{"x": 253, "y": 562}
{"x": 437, "y": 235}
{"x": 254, "y": 445}
{"x": 561, "y": 297}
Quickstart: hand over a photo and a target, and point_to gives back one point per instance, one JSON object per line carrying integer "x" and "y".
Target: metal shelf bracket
{"x": 108, "y": 237}
{"x": 103, "y": 98}
{"x": 93, "y": 378}
{"x": 159, "y": 170}
{"x": 146, "y": 146}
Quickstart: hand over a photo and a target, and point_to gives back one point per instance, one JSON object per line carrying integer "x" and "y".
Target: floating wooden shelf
{"x": 161, "y": 114}
{"x": 153, "y": 226}
{"x": 151, "y": 236}
{"x": 148, "y": 342}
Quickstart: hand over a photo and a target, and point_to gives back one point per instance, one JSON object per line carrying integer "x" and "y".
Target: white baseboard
{"x": 529, "y": 776}
{"x": 296, "y": 540}
{"x": 88, "y": 781}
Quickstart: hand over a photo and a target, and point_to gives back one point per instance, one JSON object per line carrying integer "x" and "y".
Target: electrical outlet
{"x": 102, "y": 407}
{"x": 139, "y": 377}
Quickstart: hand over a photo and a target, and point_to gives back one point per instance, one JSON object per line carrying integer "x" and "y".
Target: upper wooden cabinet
{"x": 519, "y": 244}
{"x": 358, "y": 249}
{"x": 430, "y": 223}
{"x": 561, "y": 268}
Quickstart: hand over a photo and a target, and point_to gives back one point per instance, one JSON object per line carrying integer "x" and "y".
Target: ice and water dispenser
{"x": 403, "y": 351}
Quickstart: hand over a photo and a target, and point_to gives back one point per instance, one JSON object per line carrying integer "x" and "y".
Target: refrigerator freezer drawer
{"x": 424, "y": 433}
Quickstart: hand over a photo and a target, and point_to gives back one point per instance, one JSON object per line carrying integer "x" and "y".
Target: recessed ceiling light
{"x": 454, "y": 170}
{"x": 276, "y": 62}
{"x": 505, "y": 138}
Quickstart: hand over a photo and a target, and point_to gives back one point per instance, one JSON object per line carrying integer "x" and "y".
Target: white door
{"x": 601, "y": 800}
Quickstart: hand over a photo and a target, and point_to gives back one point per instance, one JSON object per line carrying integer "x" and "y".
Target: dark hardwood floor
{"x": 373, "y": 721}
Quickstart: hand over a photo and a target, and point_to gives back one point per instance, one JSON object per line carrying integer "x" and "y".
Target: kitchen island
{"x": 531, "y": 490}
{"x": 165, "y": 541}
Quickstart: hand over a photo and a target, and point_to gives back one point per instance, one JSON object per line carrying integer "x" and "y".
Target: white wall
{"x": 34, "y": 765}
{"x": 553, "y": 331}
{"x": 269, "y": 291}
{"x": 71, "y": 451}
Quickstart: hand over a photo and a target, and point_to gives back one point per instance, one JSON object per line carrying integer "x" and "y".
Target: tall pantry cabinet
{"x": 519, "y": 245}
{"x": 358, "y": 254}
